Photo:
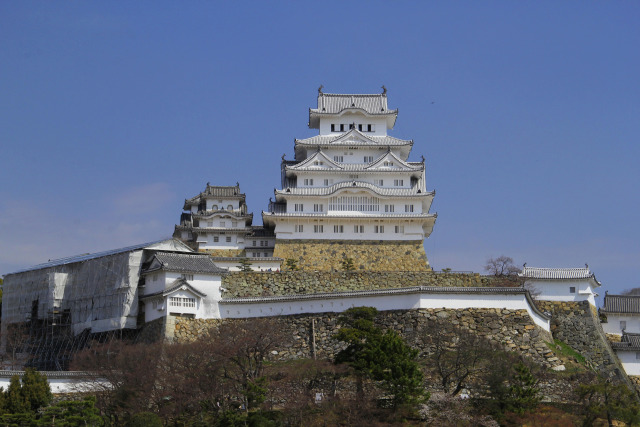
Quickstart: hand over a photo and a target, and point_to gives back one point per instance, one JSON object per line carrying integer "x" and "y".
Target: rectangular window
{"x": 408, "y": 208}
{"x": 637, "y": 355}
{"x": 360, "y": 128}
{"x": 398, "y": 182}
{"x": 358, "y": 228}
{"x": 254, "y": 243}
{"x": 326, "y": 182}
{"x": 216, "y": 239}
{"x": 623, "y": 325}
{"x": 228, "y": 239}
{"x": 572, "y": 289}
{"x": 223, "y": 224}
{"x": 255, "y": 254}
{"x": 342, "y": 127}
{"x": 318, "y": 207}
{"x": 318, "y": 228}
{"x": 338, "y": 228}
{"x": 387, "y": 164}
{"x": 182, "y": 302}
{"x": 154, "y": 277}
{"x": 333, "y": 127}
{"x": 308, "y": 181}
{"x": 378, "y": 182}
{"x": 369, "y": 128}
{"x": 351, "y": 126}
{"x": 399, "y": 229}
{"x": 368, "y": 159}
{"x": 298, "y": 207}
{"x": 378, "y": 228}
{"x": 339, "y": 159}
{"x": 299, "y": 228}
{"x": 187, "y": 276}
{"x": 389, "y": 208}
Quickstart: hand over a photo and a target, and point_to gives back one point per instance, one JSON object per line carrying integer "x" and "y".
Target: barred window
{"x": 318, "y": 228}
{"x": 338, "y": 228}
{"x": 182, "y": 302}
{"x": 354, "y": 203}
{"x": 318, "y": 207}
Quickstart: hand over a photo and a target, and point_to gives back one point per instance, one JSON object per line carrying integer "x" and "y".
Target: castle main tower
{"x": 351, "y": 192}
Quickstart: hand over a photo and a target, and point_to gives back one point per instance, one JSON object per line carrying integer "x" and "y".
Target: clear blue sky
{"x": 112, "y": 113}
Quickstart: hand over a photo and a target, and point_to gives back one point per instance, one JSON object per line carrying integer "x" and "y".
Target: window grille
{"x": 354, "y": 203}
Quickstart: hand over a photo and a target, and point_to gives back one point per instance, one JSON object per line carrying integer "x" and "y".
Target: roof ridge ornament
{"x": 384, "y": 90}
{"x": 320, "y": 90}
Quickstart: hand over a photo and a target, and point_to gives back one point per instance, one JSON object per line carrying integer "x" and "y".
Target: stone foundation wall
{"x": 369, "y": 255}
{"x": 578, "y": 324}
{"x": 512, "y": 330}
{"x": 257, "y": 284}
{"x": 224, "y": 252}
{"x": 152, "y": 331}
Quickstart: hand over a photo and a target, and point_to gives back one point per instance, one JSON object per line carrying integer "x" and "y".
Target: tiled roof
{"x": 629, "y": 342}
{"x": 352, "y": 215}
{"x": 88, "y": 256}
{"x": 307, "y": 165}
{"x": 351, "y": 138}
{"x": 186, "y": 263}
{"x": 390, "y": 291}
{"x": 332, "y": 103}
{"x": 250, "y": 259}
{"x": 556, "y": 273}
{"x": 326, "y": 191}
{"x": 621, "y": 304}
{"x": 174, "y": 286}
{"x": 217, "y": 191}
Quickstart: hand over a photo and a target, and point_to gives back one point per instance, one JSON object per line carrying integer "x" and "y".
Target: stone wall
{"x": 369, "y": 255}
{"x": 224, "y": 252}
{"x": 152, "y": 331}
{"x": 578, "y": 325}
{"x": 255, "y": 284}
{"x": 513, "y": 330}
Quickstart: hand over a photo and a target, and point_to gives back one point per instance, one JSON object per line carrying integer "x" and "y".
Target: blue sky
{"x": 112, "y": 113}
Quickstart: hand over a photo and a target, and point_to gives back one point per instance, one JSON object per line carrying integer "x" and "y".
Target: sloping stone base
{"x": 368, "y": 255}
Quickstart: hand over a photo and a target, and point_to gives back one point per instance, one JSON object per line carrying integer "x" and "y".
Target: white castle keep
{"x": 352, "y": 185}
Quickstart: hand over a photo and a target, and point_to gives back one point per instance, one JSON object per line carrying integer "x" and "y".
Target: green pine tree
{"x": 380, "y": 356}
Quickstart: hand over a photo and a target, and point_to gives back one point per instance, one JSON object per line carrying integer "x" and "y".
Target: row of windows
{"x": 223, "y": 223}
{"x": 340, "y": 127}
{"x": 262, "y": 243}
{"x": 182, "y": 302}
{"x": 308, "y": 182}
{"x": 257, "y": 254}
{"x": 319, "y": 228}
{"x": 215, "y": 207}
{"x": 216, "y": 239}
{"x": 352, "y": 203}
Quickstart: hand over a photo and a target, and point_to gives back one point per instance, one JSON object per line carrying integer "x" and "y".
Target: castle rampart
{"x": 327, "y": 255}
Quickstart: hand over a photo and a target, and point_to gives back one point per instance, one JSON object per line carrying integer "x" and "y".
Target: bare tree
{"x": 457, "y": 356}
{"x": 242, "y": 347}
{"x": 501, "y": 266}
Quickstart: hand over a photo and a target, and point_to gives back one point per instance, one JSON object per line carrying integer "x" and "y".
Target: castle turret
{"x": 351, "y": 192}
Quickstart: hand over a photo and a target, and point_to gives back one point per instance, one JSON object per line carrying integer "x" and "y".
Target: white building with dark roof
{"x": 352, "y": 182}
{"x": 180, "y": 284}
{"x": 628, "y": 352}
{"x": 622, "y": 313}
{"x": 217, "y": 222}
{"x": 562, "y": 284}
